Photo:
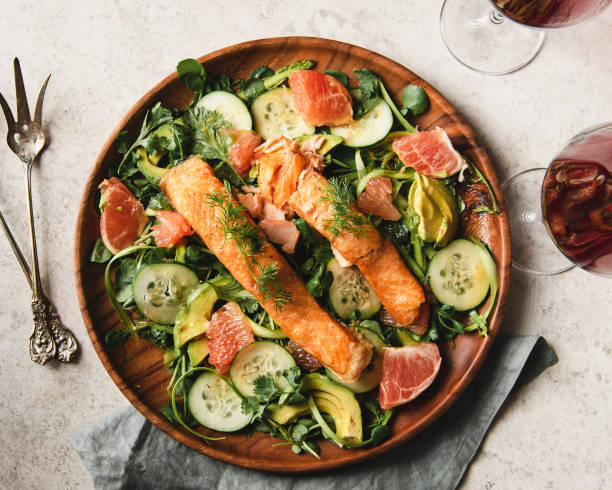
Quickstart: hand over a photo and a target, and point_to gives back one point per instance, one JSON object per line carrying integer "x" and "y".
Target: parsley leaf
{"x": 368, "y": 88}
{"x": 203, "y": 127}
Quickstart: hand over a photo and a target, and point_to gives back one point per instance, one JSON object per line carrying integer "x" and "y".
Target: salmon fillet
{"x": 306, "y": 202}
{"x": 303, "y": 319}
{"x": 377, "y": 259}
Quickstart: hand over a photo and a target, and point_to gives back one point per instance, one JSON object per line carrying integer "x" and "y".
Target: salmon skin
{"x": 302, "y": 319}
{"x": 377, "y": 259}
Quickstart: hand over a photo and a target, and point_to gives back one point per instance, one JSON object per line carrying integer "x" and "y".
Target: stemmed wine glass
{"x": 575, "y": 206}
{"x": 493, "y": 38}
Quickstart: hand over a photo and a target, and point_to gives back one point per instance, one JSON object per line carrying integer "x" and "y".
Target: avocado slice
{"x": 369, "y": 379}
{"x": 347, "y": 414}
{"x": 330, "y": 142}
{"x": 151, "y": 172}
{"x": 170, "y": 355}
{"x": 197, "y": 350}
{"x": 192, "y": 319}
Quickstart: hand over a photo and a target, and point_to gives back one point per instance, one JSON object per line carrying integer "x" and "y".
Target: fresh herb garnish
{"x": 368, "y": 88}
{"x": 256, "y": 85}
{"x": 338, "y": 75}
{"x": 414, "y": 100}
{"x": 100, "y": 254}
{"x": 249, "y": 242}
{"x": 156, "y": 117}
{"x": 116, "y": 337}
{"x": 345, "y": 219}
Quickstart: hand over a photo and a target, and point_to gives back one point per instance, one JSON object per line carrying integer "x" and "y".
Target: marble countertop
{"x": 555, "y": 432}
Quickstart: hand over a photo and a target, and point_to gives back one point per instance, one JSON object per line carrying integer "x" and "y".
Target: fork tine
{"x": 10, "y": 121}
{"x": 23, "y": 111}
{"x": 39, "y": 101}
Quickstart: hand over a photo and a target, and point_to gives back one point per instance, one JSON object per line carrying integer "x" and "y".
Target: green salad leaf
{"x": 414, "y": 100}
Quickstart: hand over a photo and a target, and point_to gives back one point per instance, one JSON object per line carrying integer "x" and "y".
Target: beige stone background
{"x": 554, "y": 433}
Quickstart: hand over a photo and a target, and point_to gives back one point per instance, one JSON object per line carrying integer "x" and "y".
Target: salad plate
{"x": 137, "y": 366}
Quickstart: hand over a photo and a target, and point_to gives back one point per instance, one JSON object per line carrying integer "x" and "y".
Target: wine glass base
{"x": 482, "y": 39}
{"x": 532, "y": 248}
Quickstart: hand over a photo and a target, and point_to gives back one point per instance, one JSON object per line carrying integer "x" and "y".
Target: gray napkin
{"x": 124, "y": 450}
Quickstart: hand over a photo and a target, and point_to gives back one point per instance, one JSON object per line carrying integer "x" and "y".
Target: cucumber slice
{"x": 266, "y": 333}
{"x": 275, "y": 114}
{"x": 369, "y": 379}
{"x": 256, "y": 359}
{"x": 349, "y": 294}
{"x": 367, "y": 130}
{"x": 457, "y": 275}
{"x": 160, "y": 290}
{"x": 233, "y": 110}
{"x": 373, "y": 338}
{"x": 213, "y": 403}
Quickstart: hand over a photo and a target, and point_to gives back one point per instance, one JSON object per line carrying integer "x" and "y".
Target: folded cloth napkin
{"x": 124, "y": 450}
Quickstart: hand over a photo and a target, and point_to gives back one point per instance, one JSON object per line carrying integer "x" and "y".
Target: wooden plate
{"x": 137, "y": 368}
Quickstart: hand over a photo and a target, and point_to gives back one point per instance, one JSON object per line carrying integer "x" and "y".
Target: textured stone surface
{"x": 554, "y": 433}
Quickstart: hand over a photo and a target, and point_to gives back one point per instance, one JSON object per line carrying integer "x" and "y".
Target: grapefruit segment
{"x": 320, "y": 99}
{"x": 430, "y": 153}
{"x": 123, "y": 216}
{"x": 241, "y": 152}
{"x": 377, "y": 199}
{"x": 171, "y": 229}
{"x": 407, "y": 372}
{"x": 228, "y": 332}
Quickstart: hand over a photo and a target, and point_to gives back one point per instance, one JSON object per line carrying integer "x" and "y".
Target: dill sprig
{"x": 345, "y": 218}
{"x": 248, "y": 239}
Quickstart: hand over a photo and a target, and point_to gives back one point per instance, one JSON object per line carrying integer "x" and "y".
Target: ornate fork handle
{"x": 42, "y": 346}
{"x": 65, "y": 342}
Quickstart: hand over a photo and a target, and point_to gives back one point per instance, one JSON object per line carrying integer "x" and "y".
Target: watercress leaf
{"x": 380, "y": 433}
{"x": 224, "y": 82}
{"x": 100, "y": 254}
{"x": 296, "y": 449}
{"x": 116, "y": 337}
{"x": 338, "y": 75}
{"x": 189, "y": 66}
{"x": 167, "y": 412}
{"x": 262, "y": 72}
{"x": 125, "y": 294}
{"x": 414, "y": 100}
{"x": 298, "y": 432}
{"x": 305, "y": 231}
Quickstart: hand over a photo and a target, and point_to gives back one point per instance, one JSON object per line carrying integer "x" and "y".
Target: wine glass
{"x": 492, "y": 38}
{"x": 575, "y": 206}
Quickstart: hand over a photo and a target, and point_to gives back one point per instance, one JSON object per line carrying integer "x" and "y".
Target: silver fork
{"x": 26, "y": 139}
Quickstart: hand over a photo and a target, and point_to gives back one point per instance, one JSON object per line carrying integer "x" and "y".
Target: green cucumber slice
{"x": 457, "y": 275}
{"x": 160, "y": 290}
{"x": 266, "y": 333}
{"x": 233, "y": 110}
{"x": 367, "y": 130}
{"x": 350, "y": 295}
{"x": 369, "y": 379}
{"x": 275, "y": 114}
{"x": 260, "y": 358}
{"x": 213, "y": 403}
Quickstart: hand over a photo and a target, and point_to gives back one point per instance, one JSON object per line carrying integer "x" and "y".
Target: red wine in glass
{"x": 577, "y": 200}
{"x": 551, "y": 14}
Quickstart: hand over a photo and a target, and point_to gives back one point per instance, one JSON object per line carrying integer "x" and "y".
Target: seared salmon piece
{"x": 302, "y": 319}
{"x": 280, "y": 165}
{"x": 307, "y": 202}
{"x": 398, "y": 290}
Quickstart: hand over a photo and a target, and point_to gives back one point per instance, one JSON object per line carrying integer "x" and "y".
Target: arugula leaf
{"x": 338, "y": 75}
{"x": 368, "y": 88}
{"x": 100, "y": 254}
{"x": 414, "y": 100}
{"x": 116, "y": 337}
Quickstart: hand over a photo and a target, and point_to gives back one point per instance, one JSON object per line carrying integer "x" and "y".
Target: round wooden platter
{"x": 137, "y": 367}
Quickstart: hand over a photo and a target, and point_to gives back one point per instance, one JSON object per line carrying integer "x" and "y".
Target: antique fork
{"x": 26, "y": 139}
